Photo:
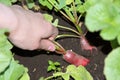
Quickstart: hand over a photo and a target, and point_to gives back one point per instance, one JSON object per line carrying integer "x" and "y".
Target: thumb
{"x": 46, "y": 44}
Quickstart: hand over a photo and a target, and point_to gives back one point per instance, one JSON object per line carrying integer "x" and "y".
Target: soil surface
{"x": 37, "y": 61}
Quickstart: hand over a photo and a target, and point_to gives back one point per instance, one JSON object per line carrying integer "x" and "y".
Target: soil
{"x": 37, "y": 61}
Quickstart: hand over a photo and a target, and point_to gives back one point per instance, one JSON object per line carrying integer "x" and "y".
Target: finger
{"x": 55, "y": 33}
{"x": 46, "y": 44}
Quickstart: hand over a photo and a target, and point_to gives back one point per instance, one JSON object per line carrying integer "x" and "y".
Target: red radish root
{"x": 85, "y": 44}
{"x": 70, "y": 56}
{"x": 75, "y": 59}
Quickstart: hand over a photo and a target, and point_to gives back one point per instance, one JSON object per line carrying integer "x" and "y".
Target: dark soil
{"x": 37, "y": 61}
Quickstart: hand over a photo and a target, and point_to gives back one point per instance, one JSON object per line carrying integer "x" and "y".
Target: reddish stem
{"x": 85, "y": 44}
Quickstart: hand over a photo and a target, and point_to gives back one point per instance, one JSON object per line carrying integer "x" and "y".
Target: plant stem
{"x": 68, "y": 12}
{"x": 76, "y": 23}
{"x": 60, "y": 11}
{"x": 24, "y": 5}
{"x": 72, "y": 20}
{"x": 75, "y": 13}
{"x": 79, "y": 29}
{"x": 59, "y": 49}
{"x": 70, "y": 29}
{"x": 48, "y": 78}
{"x": 79, "y": 18}
{"x": 67, "y": 35}
{"x": 51, "y": 77}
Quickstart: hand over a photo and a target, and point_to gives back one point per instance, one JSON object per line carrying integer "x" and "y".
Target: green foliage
{"x": 53, "y": 66}
{"x": 9, "y": 68}
{"x": 26, "y": 3}
{"x": 46, "y": 3}
{"x": 30, "y": 3}
{"x": 5, "y": 53}
{"x": 14, "y": 72}
{"x": 77, "y": 73}
{"x": 106, "y": 19}
{"x": 112, "y": 65}
{"x": 49, "y": 18}
{"x": 8, "y": 2}
{"x": 69, "y": 8}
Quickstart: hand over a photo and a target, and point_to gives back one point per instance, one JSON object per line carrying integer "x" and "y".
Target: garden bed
{"x": 37, "y": 61}
{"x": 101, "y": 19}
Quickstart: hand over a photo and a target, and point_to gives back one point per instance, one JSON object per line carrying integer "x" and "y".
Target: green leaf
{"x": 50, "y": 62}
{"x": 65, "y": 76}
{"x": 68, "y": 1}
{"x": 1, "y": 77}
{"x": 61, "y": 4}
{"x": 112, "y": 65}
{"x": 69, "y": 11}
{"x": 31, "y": 5}
{"x": 55, "y": 66}
{"x": 72, "y": 70}
{"x": 80, "y": 8}
{"x": 55, "y": 23}
{"x": 48, "y": 17}
{"x": 46, "y": 3}
{"x": 6, "y": 2}
{"x": 5, "y": 53}
{"x": 89, "y": 3}
{"x": 101, "y": 16}
{"x": 25, "y": 75}
{"x": 58, "y": 69}
{"x": 13, "y": 1}
{"x": 9, "y": 68}
{"x": 106, "y": 19}
{"x": 117, "y": 3}
{"x": 78, "y": 73}
{"x": 41, "y": 78}
{"x": 4, "y": 43}
{"x": 118, "y": 39}
{"x": 5, "y": 59}
{"x": 14, "y": 72}
{"x": 49, "y": 68}
{"x": 84, "y": 74}
{"x": 56, "y": 63}
{"x": 109, "y": 33}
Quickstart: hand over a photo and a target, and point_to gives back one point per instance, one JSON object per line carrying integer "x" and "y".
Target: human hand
{"x": 28, "y": 30}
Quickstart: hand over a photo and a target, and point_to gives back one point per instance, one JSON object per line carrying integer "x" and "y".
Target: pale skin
{"x": 28, "y": 30}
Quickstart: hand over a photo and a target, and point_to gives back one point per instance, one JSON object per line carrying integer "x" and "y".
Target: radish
{"x": 70, "y": 56}
{"x": 85, "y": 44}
{"x": 75, "y": 59}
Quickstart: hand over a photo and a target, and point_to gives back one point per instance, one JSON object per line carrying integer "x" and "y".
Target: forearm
{"x": 8, "y": 18}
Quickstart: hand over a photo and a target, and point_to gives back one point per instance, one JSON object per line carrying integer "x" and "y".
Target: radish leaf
{"x": 46, "y": 3}
{"x": 14, "y": 72}
{"x": 5, "y": 54}
{"x": 68, "y": 1}
{"x": 104, "y": 18}
{"x": 30, "y": 4}
{"x": 9, "y": 68}
{"x": 112, "y": 65}
{"x": 49, "y": 18}
{"x": 78, "y": 73}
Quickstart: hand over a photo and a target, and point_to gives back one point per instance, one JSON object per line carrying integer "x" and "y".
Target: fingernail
{"x": 51, "y": 48}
